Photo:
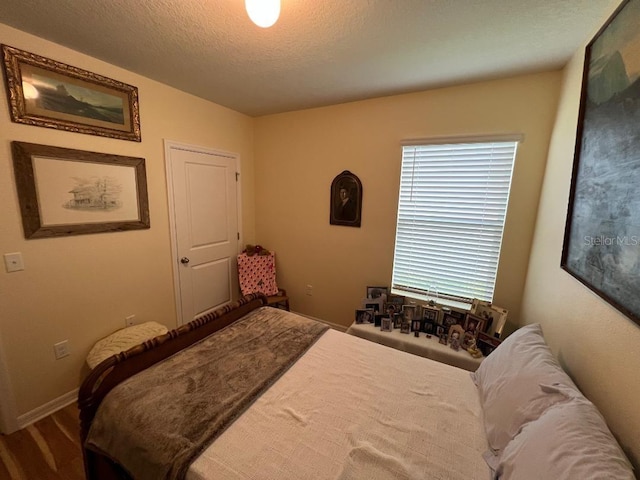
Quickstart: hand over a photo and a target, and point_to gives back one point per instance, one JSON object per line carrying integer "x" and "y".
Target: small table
{"x": 422, "y": 346}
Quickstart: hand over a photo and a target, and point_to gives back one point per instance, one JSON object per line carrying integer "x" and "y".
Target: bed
{"x": 253, "y": 392}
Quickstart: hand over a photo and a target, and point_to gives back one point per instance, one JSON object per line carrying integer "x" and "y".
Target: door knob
{"x": 184, "y": 260}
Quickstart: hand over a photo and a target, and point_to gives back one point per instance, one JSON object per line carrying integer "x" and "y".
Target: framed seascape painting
{"x": 602, "y": 235}
{"x": 47, "y": 93}
{"x": 72, "y": 192}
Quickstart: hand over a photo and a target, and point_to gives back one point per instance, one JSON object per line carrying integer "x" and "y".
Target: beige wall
{"x": 81, "y": 288}
{"x": 298, "y": 154}
{"x": 597, "y": 345}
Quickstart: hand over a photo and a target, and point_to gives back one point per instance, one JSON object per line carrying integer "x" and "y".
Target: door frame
{"x": 173, "y": 145}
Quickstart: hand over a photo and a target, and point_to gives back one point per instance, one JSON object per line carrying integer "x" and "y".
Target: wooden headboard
{"x": 114, "y": 370}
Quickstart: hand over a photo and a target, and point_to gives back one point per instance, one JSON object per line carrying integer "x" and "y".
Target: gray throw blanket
{"x": 158, "y": 421}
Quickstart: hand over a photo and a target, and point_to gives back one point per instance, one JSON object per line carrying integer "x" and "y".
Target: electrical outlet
{"x": 61, "y": 349}
{"x": 309, "y": 291}
{"x": 129, "y": 321}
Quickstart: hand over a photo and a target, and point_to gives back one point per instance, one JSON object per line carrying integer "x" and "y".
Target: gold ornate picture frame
{"x": 47, "y": 93}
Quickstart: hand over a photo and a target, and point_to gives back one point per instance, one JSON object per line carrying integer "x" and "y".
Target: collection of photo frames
{"x": 65, "y": 191}
{"x": 477, "y": 330}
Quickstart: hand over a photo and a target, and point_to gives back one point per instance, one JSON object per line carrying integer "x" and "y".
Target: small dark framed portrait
{"x": 385, "y": 326}
{"x": 443, "y": 339}
{"x": 395, "y": 299}
{"x": 364, "y": 315}
{"x": 346, "y": 200}
{"x": 429, "y": 327}
{"x": 372, "y": 306}
{"x": 430, "y": 313}
{"x": 448, "y": 320}
{"x": 377, "y": 292}
{"x": 391, "y": 308}
{"x": 416, "y": 325}
{"x": 487, "y": 343}
{"x": 440, "y": 331}
{"x": 397, "y": 320}
{"x": 405, "y": 327}
{"x": 474, "y": 324}
{"x": 377, "y": 319}
{"x": 409, "y": 312}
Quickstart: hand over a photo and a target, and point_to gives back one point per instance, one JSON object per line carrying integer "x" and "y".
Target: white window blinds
{"x": 453, "y": 201}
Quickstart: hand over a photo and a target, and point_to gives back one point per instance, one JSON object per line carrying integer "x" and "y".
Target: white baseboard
{"x": 47, "y": 409}
{"x": 335, "y": 326}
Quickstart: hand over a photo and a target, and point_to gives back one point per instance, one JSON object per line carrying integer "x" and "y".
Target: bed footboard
{"x": 118, "y": 368}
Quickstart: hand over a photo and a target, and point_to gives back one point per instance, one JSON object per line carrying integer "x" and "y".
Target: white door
{"x": 203, "y": 203}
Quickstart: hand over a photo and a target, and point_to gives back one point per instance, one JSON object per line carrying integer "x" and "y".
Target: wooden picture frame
{"x": 345, "y": 206}
{"x": 602, "y": 232}
{"x": 431, "y": 314}
{"x": 377, "y": 292}
{"x": 495, "y": 318}
{"x": 72, "y": 192}
{"x": 365, "y": 315}
{"x": 47, "y": 93}
{"x": 474, "y": 324}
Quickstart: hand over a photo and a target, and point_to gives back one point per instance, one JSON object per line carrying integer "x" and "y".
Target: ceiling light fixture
{"x": 263, "y": 13}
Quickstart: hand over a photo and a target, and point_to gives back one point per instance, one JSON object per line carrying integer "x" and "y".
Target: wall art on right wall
{"x": 602, "y": 235}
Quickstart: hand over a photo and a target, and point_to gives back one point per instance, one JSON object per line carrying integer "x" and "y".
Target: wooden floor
{"x": 47, "y": 450}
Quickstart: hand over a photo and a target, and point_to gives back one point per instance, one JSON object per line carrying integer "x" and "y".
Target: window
{"x": 451, "y": 211}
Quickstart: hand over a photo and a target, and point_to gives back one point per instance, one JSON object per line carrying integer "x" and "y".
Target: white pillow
{"x": 569, "y": 441}
{"x": 122, "y": 340}
{"x": 509, "y": 381}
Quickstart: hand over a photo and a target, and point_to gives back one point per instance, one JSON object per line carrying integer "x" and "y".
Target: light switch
{"x": 13, "y": 262}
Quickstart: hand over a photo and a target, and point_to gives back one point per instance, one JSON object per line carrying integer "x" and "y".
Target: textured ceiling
{"x": 320, "y": 52}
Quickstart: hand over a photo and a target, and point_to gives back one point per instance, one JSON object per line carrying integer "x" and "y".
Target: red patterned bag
{"x": 257, "y": 273}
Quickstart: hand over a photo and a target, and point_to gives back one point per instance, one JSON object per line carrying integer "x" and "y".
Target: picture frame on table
{"x": 455, "y": 336}
{"x": 428, "y": 327}
{"x": 487, "y": 344}
{"x": 64, "y": 191}
{"x": 375, "y": 306}
{"x": 495, "y": 318}
{"x": 416, "y": 325}
{"x": 397, "y": 320}
{"x": 364, "y": 315}
{"x": 377, "y": 292}
{"x": 386, "y": 324}
{"x": 395, "y": 299}
{"x": 405, "y": 326}
{"x": 448, "y": 319}
{"x": 46, "y": 93}
{"x": 475, "y": 303}
{"x": 430, "y": 313}
{"x": 409, "y": 312}
{"x": 474, "y": 324}
{"x": 391, "y": 308}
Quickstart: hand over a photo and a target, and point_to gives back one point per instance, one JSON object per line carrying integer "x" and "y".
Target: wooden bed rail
{"x": 114, "y": 370}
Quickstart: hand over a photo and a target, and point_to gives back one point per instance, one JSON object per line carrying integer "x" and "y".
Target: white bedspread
{"x": 352, "y": 409}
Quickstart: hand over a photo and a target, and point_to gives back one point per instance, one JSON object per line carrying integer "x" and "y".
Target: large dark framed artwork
{"x": 48, "y": 93}
{"x": 602, "y": 235}
{"x": 71, "y": 192}
{"x": 346, "y": 200}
